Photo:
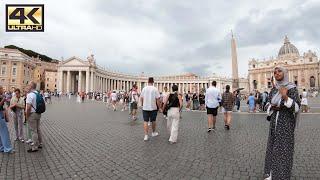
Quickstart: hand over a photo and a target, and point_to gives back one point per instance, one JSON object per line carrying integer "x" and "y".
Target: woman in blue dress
{"x": 5, "y": 143}
{"x": 251, "y": 102}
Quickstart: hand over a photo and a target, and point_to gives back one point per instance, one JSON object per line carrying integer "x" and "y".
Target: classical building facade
{"x": 51, "y": 81}
{"x": 18, "y": 69}
{"x": 77, "y": 75}
{"x": 303, "y": 69}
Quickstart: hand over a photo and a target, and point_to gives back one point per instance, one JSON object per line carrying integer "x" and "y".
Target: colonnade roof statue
{"x": 77, "y": 75}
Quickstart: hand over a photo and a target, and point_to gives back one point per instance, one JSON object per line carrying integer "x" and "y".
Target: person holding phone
{"x": 284, "y": 105}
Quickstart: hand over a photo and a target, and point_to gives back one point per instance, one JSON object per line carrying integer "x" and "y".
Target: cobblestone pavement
{"x": 87, "y": 141}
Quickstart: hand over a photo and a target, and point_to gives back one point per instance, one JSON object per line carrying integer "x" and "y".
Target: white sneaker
{"x": 149, "y": 123}
{"x": 268, "y": 178}
{"x": 154, "y": 134}
{"x": 145, "y": 138}
{"x": 29, "y": 141}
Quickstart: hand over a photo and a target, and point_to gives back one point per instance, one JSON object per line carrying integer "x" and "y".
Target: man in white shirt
{"x": 304, "y": 101}
{"x": 150, "y": 101}
{"x": 212, "y": 100}
{"x": 33, "y": 118}
{"x": 114, "y": 98}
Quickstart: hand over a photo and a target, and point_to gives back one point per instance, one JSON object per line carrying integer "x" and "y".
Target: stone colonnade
{"x": 90, "y": 81}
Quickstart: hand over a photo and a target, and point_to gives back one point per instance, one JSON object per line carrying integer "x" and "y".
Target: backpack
{"x": 41, "y": 105}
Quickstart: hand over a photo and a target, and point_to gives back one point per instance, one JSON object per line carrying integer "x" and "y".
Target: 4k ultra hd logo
{"x": 24, "y": 17}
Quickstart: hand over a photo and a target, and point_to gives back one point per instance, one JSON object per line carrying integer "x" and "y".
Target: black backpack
{"x": 41, "y": 105}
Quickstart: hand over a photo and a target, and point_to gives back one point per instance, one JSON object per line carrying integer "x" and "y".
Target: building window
{"x": 47, "y": 85}
{"x": 310, "y": 59}
{"x": 3, "y": 70}
{"x": 47, "y": 79}
{"x": 13, "y": 80}
{"x": 5, "y": 54}
{"x": 14, "y": 71}
{"x": 4, "y": 63}
{"x": 254, "y": 66}
{"x": 14, "y": 64}
{"x": 55, "y": 85}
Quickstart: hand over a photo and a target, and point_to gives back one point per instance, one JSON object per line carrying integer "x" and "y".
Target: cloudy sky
{"x": 166, "y": 37}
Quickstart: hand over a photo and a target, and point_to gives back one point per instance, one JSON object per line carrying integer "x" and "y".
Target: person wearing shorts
{"x": 212, "y": 100}
{"x": 150, "y": 101}
{"x": 134, "y": 102}
{"x": 227, "y": 106}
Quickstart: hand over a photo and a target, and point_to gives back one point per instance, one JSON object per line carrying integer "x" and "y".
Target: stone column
{"x": 87, "y": 81}
{"x": 91, "y": 81}
{"x": 68, "y": 81}
{"x": 80, "y": 81}
{"x": 60, "y": 80}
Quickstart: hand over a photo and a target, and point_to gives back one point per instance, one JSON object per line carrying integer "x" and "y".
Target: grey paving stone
{"x": 88, "y": 141}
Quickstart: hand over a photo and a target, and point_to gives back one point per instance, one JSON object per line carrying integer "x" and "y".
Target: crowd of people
{"x": 24, "y": 109}
{"x": 282, "y": 105}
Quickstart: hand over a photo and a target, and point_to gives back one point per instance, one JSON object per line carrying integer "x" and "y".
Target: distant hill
{"x": 31, "y": 53}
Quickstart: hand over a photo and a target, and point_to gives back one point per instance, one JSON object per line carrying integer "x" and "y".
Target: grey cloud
{"x": 196, "y": 34}
{"x": 302, "y": 25}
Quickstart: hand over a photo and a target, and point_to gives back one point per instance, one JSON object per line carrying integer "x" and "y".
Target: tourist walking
{"x": 202, "y": 101}
{"x": 238, "y": 100}
{"x": 17, "y": 106}
{"x": 33, "y": 101}
{"x": 304, "y": 101}
{"x": 284, "y": 105}
{"x": 134, "y": 102}
{"x": 227, "y": 107}
{"x": 251, "y": 102}
{"x": 195, "y": 101}
{"x": 125, "y": 101}
{"x": 150, "y": 101}
{"x": 188, "y": 101}
{"x": 212, "y": 100}
{"x": 5, "y": 143}
{"x": 27, "y": 130}
{"x": 165, "y": 95}
{"x": 173, "y": 104}
{"x": 114, "y": 98}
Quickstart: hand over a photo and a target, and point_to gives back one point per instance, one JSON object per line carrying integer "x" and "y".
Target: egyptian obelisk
{"x": 235, "y": 76}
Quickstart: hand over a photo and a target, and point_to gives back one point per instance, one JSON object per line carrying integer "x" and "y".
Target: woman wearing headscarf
{"x": 283, "y": 112}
